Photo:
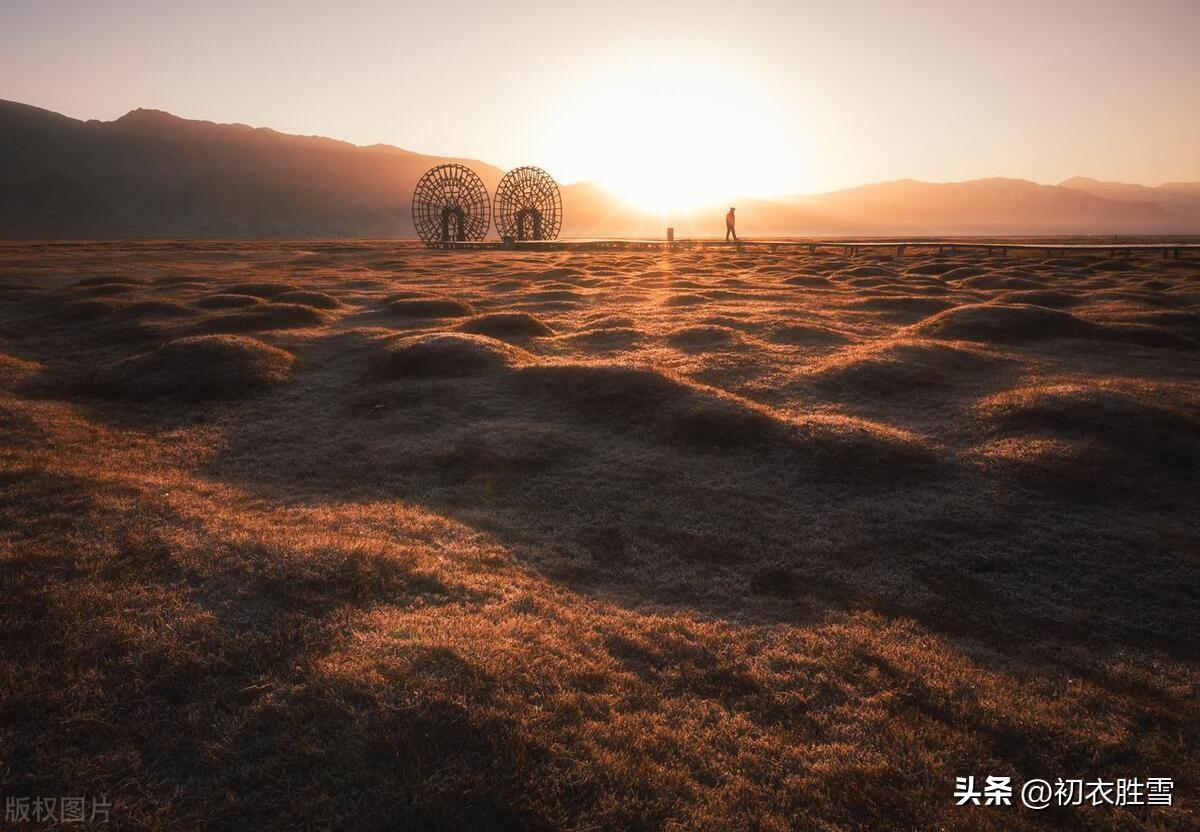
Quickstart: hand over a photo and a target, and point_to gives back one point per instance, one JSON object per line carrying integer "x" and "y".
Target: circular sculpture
{"x": 450, "y": 204}
{"x": 528, "y": 205}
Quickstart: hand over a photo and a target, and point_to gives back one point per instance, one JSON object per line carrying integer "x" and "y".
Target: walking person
{"x": 729, "y": 226}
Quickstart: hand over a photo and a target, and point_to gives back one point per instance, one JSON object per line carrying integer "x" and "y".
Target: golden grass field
{"x": 362, "y": 536}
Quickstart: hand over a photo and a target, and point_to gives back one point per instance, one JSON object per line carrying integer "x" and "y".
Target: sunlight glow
{"x": 672, "y": 135}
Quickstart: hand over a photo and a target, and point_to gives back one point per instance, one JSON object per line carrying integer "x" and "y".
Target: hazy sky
{"x": 772, "y": 96}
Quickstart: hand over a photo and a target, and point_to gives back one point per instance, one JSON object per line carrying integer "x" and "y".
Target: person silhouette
{"x": 729, "y": 226}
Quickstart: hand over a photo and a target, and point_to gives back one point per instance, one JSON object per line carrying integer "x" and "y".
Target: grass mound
{"x": 507, "y": 325}
{"x": 1185, "y": 321}
{"x": 1001, "y": 322}
{"x": 869, "y": 271}
{"x": 1148, "y": 335}
{"x": 867, "y": 282}
{"x": 719, "y": 423}
{"x": 559, "y": 273}
{"x": 633, "y": 400}
{"x": 428, "y": 308}
{"x": 196, "y": 368}
{"x": 227, "y": 301}
{"x": 686, "y": 299}
{"x": 266, "y": 290}
{"x": 1142, "y": 419}
{"x": 171, "y": 280}
{"x": 902, "y": 305}
{"x": 317, "y": 300}
{"x": 703, "y": 337}
{"x": 606, "y": 338}
{"x": 107, "y": 289}
{"x": 937, "y": 267}
{"x": 106, "y": 280}
{"x": 267, "y": 317}
{"x": 1067, "y": 262}
{"x": 1138, "y": 297}
{"x": 82, "y": 311}
{"x": 555, "y": 296}
{"x": 636, "y": 402}
{"x": 845, "y": 448}
{"x": 14, "y": 370}
{"x": 447, "y": 355}
{"x": 144, "y": 310}
{"x": 962, "y": 273}
{"x": 725, "y": 294}
{"x": 1018, "y": 322}
{"x": 1049, "y": 298}
{"x": 1115, "y": 266}
{"x": 915, "y": 286}
{"x": 901, "y": 370}
{"x": 503, "y": 286}
{"x": 1096, "y": 441}
{"x": 996, "y": 280}
{"x": 812, "y": 281}
{"x": 608, "y": 321}
{"x": 804, "y": 335}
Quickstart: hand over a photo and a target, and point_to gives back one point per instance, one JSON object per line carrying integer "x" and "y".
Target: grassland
{"x": 363, "y": 536}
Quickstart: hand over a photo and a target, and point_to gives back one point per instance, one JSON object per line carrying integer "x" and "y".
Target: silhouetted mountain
{"x": 152, "y": 174}
{"x": 985, "y": 206}
{"x": 911, "y": 208}
{"x": 1181, "y": 197}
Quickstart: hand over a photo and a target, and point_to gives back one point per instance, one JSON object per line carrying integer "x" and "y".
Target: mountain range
{"x": 152, "y": 174}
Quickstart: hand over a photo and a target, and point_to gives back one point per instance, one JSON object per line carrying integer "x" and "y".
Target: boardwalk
{"x": 999, "y": 248}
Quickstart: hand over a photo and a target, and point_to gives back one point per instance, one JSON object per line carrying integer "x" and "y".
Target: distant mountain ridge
{"x": 152, "y": 174}
{"x": 908, "y": 207}
{"x": 149, "y": 173}
{"x": 1001, "y": 206}
{"x": 1183, "y": 195}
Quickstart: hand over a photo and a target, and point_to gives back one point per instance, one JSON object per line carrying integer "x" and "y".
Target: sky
{"x": 665, "y": 101}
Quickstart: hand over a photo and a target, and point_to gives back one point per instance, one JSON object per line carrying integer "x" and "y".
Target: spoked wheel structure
{"x": 528, "y": 205}
{"x": 451, "y": 204}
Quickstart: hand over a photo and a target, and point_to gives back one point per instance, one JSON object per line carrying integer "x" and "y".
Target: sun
{"x": 674, "y": 135}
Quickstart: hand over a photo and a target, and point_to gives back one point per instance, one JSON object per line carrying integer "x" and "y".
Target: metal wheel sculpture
{"x": 528, "y": 205}
{"x": 451, "y": 204}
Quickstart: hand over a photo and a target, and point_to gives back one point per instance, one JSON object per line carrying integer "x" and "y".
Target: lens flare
{"x": 675, "y": 135}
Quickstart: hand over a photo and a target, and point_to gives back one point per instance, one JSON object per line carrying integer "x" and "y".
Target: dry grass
{"x": 606, "y": 541}
{"x": 195, "y": 368}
